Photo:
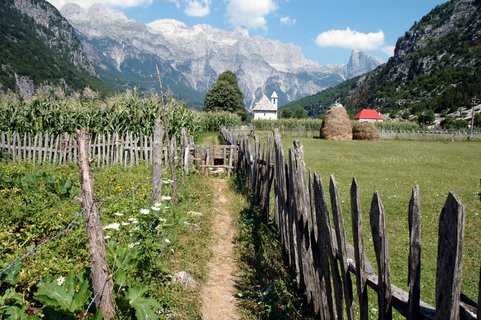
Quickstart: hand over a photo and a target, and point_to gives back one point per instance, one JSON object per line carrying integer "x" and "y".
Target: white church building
{"x": 265, "y": 108}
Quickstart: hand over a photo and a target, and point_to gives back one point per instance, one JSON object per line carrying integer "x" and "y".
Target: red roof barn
{"x": 368, "y": 115}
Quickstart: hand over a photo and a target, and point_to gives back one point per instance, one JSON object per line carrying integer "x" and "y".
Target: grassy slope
{"x": 393, "y": 168}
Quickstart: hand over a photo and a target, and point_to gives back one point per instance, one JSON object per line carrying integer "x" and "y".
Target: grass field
{"x": 393, "y": 168}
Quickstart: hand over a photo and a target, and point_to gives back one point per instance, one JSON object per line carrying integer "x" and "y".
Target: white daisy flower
{"x": 112, "y": 226}
{"x": 119, "y": 214}
{"x": 166, "y": 198}
{"x": 144, "y": 211}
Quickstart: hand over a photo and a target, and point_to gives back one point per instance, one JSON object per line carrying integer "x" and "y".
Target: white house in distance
{"x": 265, "y": 108}
{"x": 368, "y": 115}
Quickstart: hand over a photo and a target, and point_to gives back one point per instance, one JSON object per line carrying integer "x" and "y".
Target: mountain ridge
{"x": 195, "y": 56}
{"x": 40, "y": 47}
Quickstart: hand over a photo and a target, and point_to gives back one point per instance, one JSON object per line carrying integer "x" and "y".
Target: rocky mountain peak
{"x": 57, "y": 33}
{"x": 360, "y": 62}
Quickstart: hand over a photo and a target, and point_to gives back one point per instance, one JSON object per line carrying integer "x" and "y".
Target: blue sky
{"x": 326, "y": 31}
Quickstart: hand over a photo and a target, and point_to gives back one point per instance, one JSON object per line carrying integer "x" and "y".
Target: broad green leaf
{"x": 64, "y": 296}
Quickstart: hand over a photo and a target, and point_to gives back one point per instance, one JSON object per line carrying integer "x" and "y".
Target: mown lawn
{"x": 393, "y": 168}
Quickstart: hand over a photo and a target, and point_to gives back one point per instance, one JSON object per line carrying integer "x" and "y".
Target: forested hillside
{"x": 436, "y": 67}
{"x": 35, "y": 59}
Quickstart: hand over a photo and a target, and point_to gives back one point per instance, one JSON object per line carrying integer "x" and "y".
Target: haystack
{"x": 336, "y": 124}
{"x": 365, "y": 131}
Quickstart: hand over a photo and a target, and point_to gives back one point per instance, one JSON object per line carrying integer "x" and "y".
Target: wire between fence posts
{"x": 101, "y": 282}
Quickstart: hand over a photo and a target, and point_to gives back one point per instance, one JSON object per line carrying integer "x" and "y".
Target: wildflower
{"x": 134, "y": 220}
{"x": 166, "y": 198}
{"x": 60, "y": 280}
{"x": 118, "y": 214}
{"x": 166, "y": 240}
{"x": 125, "y": 223}
{"x": 144, "y": 211}
{"x": 167, "y": 181}
{"x": 135, "y": 244}
{"x": 156, "y": 208}
{"x": 106, "y": 237}
{"x": 194, "y": 213}
{"x": 162, "y": 220}
{"x": 112, "y": 226}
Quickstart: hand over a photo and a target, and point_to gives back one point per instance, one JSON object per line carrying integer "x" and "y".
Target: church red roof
{"x": 368, "y": 114}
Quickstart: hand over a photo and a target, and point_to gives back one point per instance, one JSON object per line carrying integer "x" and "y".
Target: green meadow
{"x": 393, "y": 168}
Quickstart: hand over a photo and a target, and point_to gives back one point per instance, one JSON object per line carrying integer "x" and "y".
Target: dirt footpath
{"x": 218, "y": 301}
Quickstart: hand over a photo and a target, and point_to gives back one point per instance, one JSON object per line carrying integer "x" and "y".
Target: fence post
{"x": 157, "y": 162}
{"x": 359, "y": 251}
{"x": 378, "y": 229}
{"x": 450, "y": 259}
{"x": 414, "y": 264}
{"x": 101, "y": 281}
{"x": 341, "y": 247}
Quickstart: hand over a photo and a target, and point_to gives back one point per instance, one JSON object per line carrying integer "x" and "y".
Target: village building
{"x": 368, "y": 115}
{"x": 265, "y": 108}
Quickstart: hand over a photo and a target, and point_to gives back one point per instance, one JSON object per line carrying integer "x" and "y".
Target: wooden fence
{"x": 321, "y": 255}
{"x": 126, "y": 149}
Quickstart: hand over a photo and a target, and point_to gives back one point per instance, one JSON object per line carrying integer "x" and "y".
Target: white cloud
{"x": 389, "y": 50}
{"x": 106, "y": 3}
{"x": 350, "y": 39}
{"x": 197, "y": 8}
{"x": 288, "y": 21}
{"x": 249, "y": 13}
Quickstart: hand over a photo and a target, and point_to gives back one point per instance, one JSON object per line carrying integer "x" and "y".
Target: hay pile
{"x": 336, "y": 124}
{"x": 365, "y": 131}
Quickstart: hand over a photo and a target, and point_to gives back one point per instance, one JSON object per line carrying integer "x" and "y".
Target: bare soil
{"x": 218, "y": 300}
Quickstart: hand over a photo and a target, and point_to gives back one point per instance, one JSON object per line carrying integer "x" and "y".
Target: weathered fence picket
{"x": 324, "y": 260}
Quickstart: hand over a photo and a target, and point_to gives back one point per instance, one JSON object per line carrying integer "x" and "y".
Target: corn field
{"x": 127, "y": 112}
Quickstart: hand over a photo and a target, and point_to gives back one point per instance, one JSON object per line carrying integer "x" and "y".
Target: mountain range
{"x": 126, "y": 52}
{"x": 436, "y": 67}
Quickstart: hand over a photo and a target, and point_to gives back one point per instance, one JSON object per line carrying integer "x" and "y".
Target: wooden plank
{"x": 30, "y": 150}
{"x": 293, "y": 227}
{"x": 35, "y": 140}
{"x": 356, "y": 220}
{"x": 104, "y": 150}
{"x": 25, "y": 145}
{"x": 281, "y": 191}
{"x": 414, "y": 264}
{"x": 14, "y": 147}
{"x": 51, "y": 146}
{"x": 450, "y": 258}
{"x": 45, "y": 147}
{"x": 157, "y": 162}
{"x": 56, "y": 153}
{"x": 331, "y": 304}
{"x": 302, "y": 214}
{"x": 341, "y": 247}
{"x": 378, "y": 229}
